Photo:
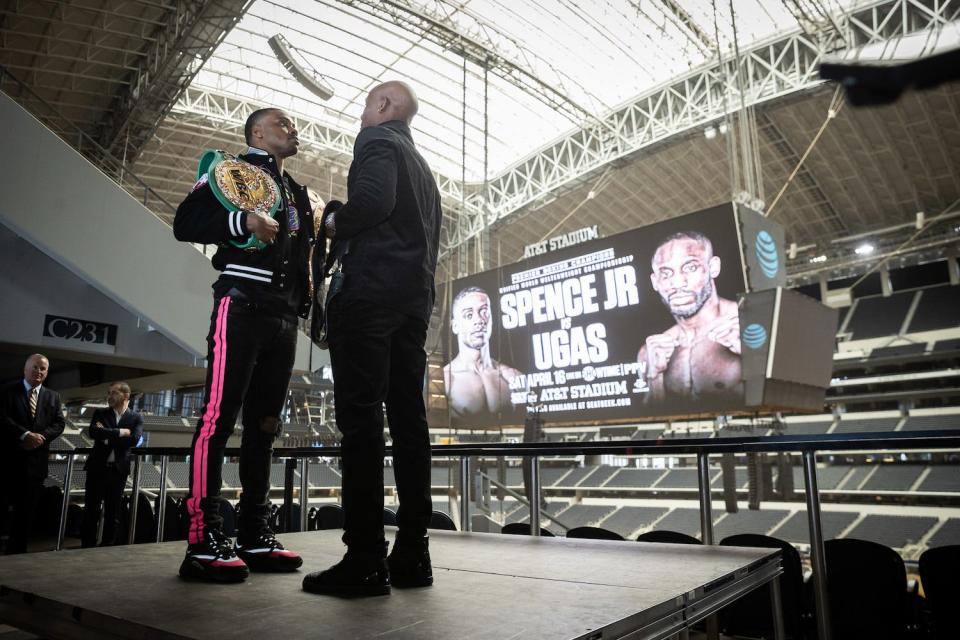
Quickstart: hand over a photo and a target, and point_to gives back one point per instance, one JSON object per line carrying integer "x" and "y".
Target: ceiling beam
{"x": 679, "y": 15}
{"x": 441, "y": 31}
{"x": 774, "y": 69}
{"x": 183, "y": 43}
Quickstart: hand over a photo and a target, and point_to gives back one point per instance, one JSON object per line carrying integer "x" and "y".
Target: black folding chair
{"x": 940, "y": 576}
{"x": 389, "y": 517}
{"x": 670, "y": 537}
{"x": 440, "y": 520}
{"x": 328, "y": 516}
{"x": 867, "y": 590}
{"x": 593, "y": 533}
{"x": 523, "y": 529}
{"x": 751, "y": 615}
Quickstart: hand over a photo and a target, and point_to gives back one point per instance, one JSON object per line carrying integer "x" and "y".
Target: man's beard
{"x": 690, "y": 309}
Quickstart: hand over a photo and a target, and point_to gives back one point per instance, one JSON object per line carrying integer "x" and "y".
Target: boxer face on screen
{"x": 475, "y": 383}
{"x": 699, "y": 356}
{"x": 683, "y": 273}
{"x": 470, "y": 320}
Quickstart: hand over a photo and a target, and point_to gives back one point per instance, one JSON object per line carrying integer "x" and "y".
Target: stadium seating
{"x": 850, "y": 424}
{"x": 628, "y": 520}
{"x": 740, "y": 479}
{"x": 816, "y": 426}
{"x": 682, "y": 479}
{"x": 828, "y": 477}
{"x": 892, "y": 531}
{"x": 630, "y": 478}
{"x": 549, "y": 476}
{"x": 941, "y": 478}
{"x": 853, "y": 481}
{"x": 947, "y": 534}
{"x": 893, "y": 477}
{"x": 755, "y": 522}
{"x": 796, "y": 529}
{"x": 879, "y": 316}
{"x": 939, "y": 308}
{"x": 599, "y": 476}
{"x": 573, "y": 477}
{"x": 579, "y": 515}
{"x": 931, "y": 422}
{"x": 323, "y": 475}
{"x": 899, "y": 351}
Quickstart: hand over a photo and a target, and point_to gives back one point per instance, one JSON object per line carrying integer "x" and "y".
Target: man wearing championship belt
{"x": 263, "y": 286}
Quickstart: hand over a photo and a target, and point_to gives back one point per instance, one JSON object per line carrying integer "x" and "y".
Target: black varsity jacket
{"x": 202, "y": 219}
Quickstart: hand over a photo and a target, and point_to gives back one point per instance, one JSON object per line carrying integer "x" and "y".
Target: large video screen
{"x": 642, "y": 323}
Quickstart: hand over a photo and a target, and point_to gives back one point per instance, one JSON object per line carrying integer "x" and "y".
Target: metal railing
{"x": 808, "y": 445}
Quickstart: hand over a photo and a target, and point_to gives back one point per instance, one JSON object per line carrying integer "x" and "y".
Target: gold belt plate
{"x": 246, "y": 186}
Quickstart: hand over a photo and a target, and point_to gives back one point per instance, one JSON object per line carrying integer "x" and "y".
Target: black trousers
{"x": 20, "y": 493}
{"x": 103, "y": 488}
{"x": 378, "y": 357}
{"x": 250, "y": 355}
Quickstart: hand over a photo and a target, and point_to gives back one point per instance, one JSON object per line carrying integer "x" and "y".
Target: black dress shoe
{"x": 410, "y": 564}
{"x": 358, "y": 575}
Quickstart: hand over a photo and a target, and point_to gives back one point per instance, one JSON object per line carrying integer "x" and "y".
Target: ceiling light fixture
{"x": 865, "y": 249}
{"x": 301, "y": 70}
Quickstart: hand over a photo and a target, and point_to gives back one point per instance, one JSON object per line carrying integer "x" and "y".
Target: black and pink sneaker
{"x": 213, "y": 560}
{"x": 265, "y": 553}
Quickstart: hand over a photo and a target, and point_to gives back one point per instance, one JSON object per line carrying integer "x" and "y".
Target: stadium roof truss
{"x": 149, "y": 80}
{"x": 777, "y": 66}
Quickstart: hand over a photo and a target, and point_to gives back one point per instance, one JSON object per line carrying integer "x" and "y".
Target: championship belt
{"x": 239, "y": 185}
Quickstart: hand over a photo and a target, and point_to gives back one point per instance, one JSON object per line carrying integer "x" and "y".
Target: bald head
{"x": 393, "y": 100}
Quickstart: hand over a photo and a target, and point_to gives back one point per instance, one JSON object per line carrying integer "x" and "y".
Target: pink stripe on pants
{"x": 198, "y": 489}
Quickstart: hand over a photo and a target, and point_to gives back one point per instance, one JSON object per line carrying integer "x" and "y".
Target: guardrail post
{"x": 304, "y": 492}
{"x": 535, "y": 495}
{"x": 706, "y": 500}
{"x": 816, "y": 546}
{"x": 134, "y": 500}
{"x": 706, "y": 523}
{"x": 776, "y": 603}
{"x": 289, "y": 468}
{"x": 465, "y": 493}
{"x": 162, "y": 497}
{"x": 67, "y": 479}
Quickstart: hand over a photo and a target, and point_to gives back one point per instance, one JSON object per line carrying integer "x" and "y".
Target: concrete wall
{"x": 34, "y": 286}
{"x": 60, "y": 203}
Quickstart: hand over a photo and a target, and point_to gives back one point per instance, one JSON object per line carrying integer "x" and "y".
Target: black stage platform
{"x": 487, "y": 586}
